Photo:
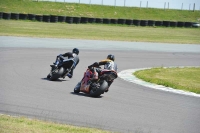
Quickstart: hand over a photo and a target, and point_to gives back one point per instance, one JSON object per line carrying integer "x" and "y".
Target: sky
{"x": 173, "y": 4}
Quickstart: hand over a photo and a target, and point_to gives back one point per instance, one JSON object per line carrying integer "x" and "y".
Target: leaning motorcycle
{"x": 95, "y": 84}
{"x": 64, "y": 66}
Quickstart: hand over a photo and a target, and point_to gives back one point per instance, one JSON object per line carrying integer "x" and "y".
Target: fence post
{"x": 194, "y": 7}
{"x": 79, "y": 1}
{"x": 147, "y": 4}
{"x": 164, "y": 5}
{"x": 168, "y": 5}
{"x": 115, "y": 3}
{"x": 124, "y": 3}
{"x": 182, "y": 7}
{"x": 140, "y": 4}
{"x": 102, "y": 2}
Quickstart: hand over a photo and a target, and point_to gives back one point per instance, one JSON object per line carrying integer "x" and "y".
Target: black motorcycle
{"x": 64, "y": 66}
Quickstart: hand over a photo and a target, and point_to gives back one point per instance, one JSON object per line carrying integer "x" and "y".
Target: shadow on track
{"x": 85, "y": 95}
{"x": 58, "y": 80}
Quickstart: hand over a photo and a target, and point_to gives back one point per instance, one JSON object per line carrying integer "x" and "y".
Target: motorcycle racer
{"x": 73, "y": 54}
{"x": 108, "y": 64}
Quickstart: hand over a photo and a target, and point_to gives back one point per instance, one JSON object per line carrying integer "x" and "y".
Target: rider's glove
{"x": 90, "y": 66}
{"x": 96, "y": 64}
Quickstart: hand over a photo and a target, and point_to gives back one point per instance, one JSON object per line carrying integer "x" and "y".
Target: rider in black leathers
{"x": 74, "y": 55}
{"x": 108, "y": 64}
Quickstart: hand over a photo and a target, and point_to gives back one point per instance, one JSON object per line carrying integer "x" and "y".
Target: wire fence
{"x": 133, "y": 3}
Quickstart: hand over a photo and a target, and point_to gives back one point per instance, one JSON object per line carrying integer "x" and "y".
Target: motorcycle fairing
{"x": 86, "y": 81}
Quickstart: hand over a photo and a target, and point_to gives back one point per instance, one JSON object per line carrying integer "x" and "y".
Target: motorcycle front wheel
{"x": 77, "y": 88}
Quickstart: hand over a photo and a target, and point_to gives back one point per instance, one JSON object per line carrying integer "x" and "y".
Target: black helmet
{"x": 111, "y": 57}
{"x": 76, "y": 51}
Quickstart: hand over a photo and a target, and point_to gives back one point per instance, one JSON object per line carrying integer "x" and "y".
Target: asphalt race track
{"x": 127, "y": 107}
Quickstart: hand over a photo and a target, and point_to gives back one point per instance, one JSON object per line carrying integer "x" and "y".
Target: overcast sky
{"x": 173, "y": 4}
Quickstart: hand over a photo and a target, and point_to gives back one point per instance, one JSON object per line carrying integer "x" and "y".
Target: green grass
{"x": 10, "y": 124}
{"x": 187, "y": 78}
{"x": 74, "y": 9}
{"x": 99, "y": 32}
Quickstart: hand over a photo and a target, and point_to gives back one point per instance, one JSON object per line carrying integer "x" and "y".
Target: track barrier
{"x": 83, "y": 20}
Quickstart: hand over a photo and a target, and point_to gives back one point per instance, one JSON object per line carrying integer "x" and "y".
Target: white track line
{"x": 128, "y": 76}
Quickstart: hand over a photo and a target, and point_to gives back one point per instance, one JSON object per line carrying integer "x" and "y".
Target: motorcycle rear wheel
{"x": 56, "y": 76}
{"x": 98, "y": 90}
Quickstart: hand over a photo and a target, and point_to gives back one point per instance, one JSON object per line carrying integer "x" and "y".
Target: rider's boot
{"x": 107, "y": 90}
{"x": 69, "y": 75}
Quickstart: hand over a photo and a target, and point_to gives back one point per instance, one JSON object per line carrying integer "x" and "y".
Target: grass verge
{"x": 99, "y": 32}
{"x": 10, "y": 124}
{"x": 186, "y": 79}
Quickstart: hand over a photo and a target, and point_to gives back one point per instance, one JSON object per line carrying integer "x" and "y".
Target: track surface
{"x": 127, "y": 107}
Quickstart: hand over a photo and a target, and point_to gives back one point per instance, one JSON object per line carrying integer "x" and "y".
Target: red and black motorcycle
{"x": 94, "y": 83}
